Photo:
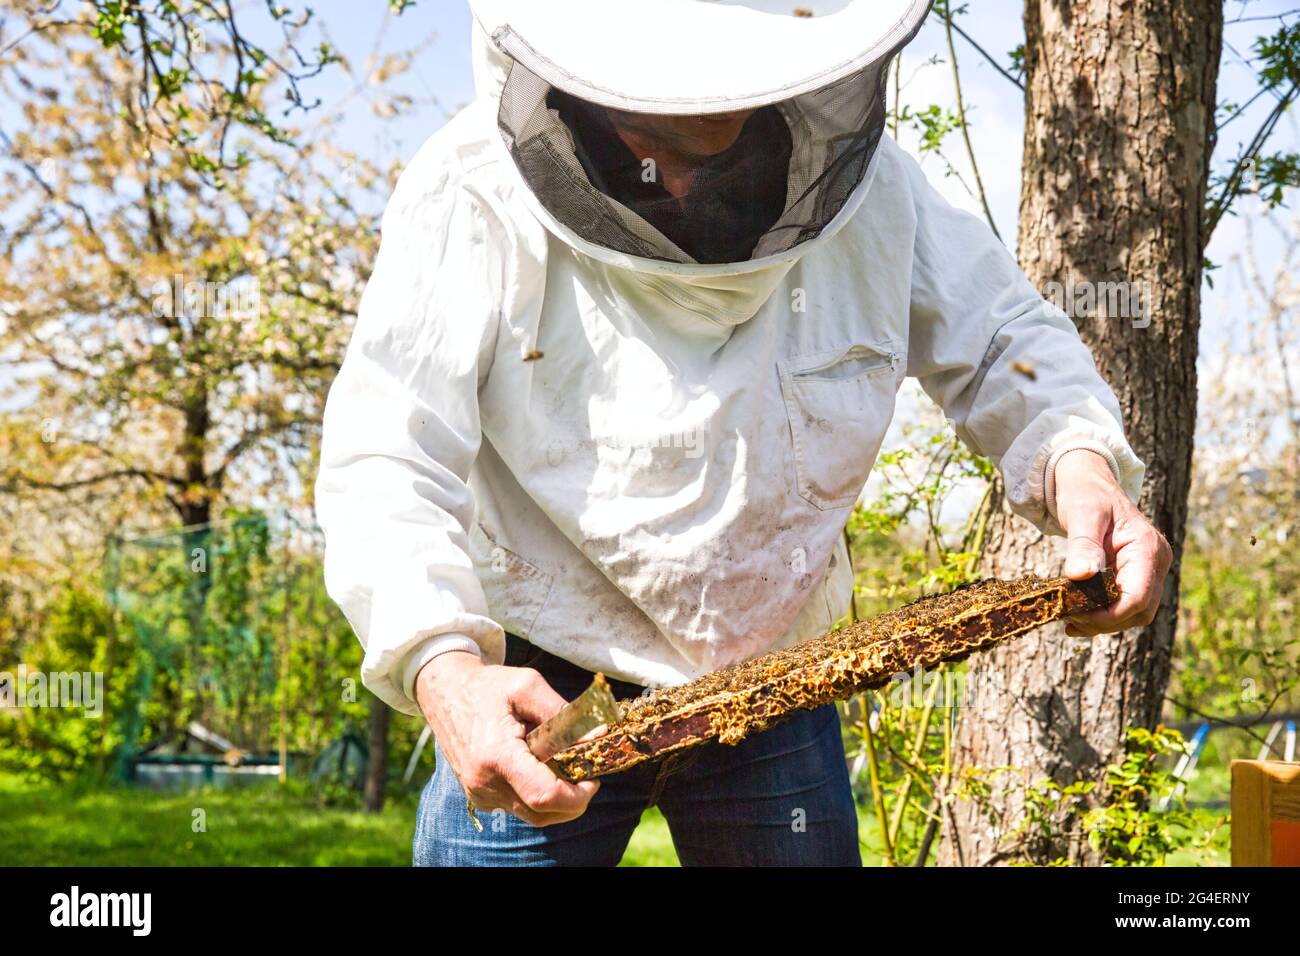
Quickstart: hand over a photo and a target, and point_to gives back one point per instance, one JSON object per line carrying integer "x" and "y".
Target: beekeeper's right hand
{"x": 479, "y": 714}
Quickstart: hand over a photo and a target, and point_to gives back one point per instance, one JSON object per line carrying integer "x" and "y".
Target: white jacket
{"x": 645, "y": 467}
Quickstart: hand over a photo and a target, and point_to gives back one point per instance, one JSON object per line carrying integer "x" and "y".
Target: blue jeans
{"x": 779, "y": 798}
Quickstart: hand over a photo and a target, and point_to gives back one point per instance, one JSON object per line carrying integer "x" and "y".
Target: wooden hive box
{"x": 1265, "y": 813}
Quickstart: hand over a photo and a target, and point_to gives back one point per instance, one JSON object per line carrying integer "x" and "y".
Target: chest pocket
{"x": 839, "y": 402}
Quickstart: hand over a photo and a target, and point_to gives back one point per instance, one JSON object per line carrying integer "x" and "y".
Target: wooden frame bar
{"x": 864, "y": 656}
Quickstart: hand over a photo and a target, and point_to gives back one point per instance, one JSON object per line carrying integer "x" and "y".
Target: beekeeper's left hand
{"x": 1107, "y": 530}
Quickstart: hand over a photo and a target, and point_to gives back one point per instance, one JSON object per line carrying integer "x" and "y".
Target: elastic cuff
{"x": 434, "y": 647}
{"x": 1049, "y": 470}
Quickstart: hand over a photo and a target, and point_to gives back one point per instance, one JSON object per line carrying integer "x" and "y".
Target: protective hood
{"x": 796, "y": 91}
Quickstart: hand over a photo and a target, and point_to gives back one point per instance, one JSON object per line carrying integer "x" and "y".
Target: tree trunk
{"x": 1119, "y": 128}
{"x": 377, "y": 759}
{"x": 194, "y": 504}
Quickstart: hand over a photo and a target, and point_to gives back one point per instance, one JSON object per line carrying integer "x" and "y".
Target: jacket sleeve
{"x": 1007, "y": 366}
{"x": 401, "y": 430}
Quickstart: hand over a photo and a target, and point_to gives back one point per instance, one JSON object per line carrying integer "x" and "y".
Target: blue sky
{"x": 363, "y": 28}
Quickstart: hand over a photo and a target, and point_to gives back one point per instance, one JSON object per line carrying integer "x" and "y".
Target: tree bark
{"x": 195, "y": 502}
{"x": 1119, "y": 129}
{"x": 377, "y": 759}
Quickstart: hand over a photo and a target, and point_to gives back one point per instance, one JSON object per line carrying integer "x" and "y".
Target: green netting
{"x": 211, "y": 610}
{"x": 229, "y": 625}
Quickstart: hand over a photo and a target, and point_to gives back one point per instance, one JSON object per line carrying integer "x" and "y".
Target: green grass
{"x": 47, "y": 825}
{"x": 651, "y": 844}
{"x": 52, "y": 825}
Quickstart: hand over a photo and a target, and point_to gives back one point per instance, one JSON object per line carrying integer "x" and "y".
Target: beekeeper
{"x": 629, "y": 351}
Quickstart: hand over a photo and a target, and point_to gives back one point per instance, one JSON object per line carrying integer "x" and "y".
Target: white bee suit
{"x": 552, "y": 420}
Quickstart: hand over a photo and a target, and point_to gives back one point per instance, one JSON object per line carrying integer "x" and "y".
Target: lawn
{"x": 44, "y": 824}
{"x": 50, "y": 825}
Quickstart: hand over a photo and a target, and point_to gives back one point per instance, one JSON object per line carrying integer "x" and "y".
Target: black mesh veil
{"x": 832, "y": 134}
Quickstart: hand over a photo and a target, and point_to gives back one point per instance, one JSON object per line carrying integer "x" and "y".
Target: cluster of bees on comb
{"x": 747, "y": 697}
